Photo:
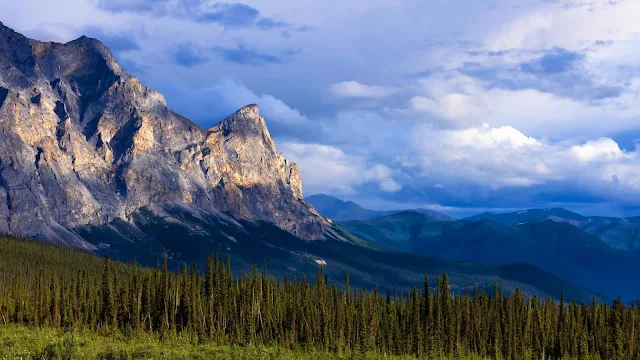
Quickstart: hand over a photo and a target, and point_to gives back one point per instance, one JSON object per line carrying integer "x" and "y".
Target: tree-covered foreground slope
{"x": 102, "y": 302}
{"x": 287, "y": 255}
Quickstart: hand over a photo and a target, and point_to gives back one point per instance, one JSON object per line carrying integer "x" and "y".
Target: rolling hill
{"x": 559, "y": 248}
{"x": 398, "y": 231}
{"x": 573, "y": 247}
{"x": 619, "y": 233}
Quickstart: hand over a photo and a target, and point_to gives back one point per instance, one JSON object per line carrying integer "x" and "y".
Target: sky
{"x": 460, "y": 106}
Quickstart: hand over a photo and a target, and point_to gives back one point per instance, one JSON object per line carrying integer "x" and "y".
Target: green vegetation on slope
{"x": 58, "y": 290}
{"x": 22, "y": 342}
{"x": 399, "y": 231}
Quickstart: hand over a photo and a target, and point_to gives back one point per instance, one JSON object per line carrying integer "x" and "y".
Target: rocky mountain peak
{"x": 246, "y": 121}
{"x": 82, "y": 143}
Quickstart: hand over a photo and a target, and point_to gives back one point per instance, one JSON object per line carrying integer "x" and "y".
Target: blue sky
{"x": 456, "y": 105}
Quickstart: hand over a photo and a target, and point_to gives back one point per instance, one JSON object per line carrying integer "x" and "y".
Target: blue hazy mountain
{"x": 557, "y": 247}
{"x": 619, "y": 233}
{"x": 339, "y": 210}
{"x": 399, "y": 231}
{"x": 529, "y": 216}
{"x": 571, "y": 246}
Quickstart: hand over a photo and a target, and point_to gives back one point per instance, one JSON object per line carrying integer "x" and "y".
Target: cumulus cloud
{"x": 326, "y": 169}
{"x": 355, "y": 89}
{"x": 463, "y": 100}
{"x": 603, "y": 149}
{"x": 499, "y": 159}
{"x": 569, "y": 27}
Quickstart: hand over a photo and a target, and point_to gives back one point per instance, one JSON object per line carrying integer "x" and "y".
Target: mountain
{"x": 398, "y": 231}
{"x": 619, "y": 233}
{"x": 91, "y": 158}
{"x": 84, "y": 143}
{"x": 530, "y": 215}
{"x": 571, "y": 246}
{"x": 556, "y": 247}
{"x": 339, "y": 210}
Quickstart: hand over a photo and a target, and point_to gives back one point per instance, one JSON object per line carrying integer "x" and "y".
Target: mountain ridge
{"x": 397, "y": 231}
{"x": 339, "y": 210}
{"x": 619, "y": 233}
{"x": 556, "y": 247}
{"x": 84, "y": 143}
{"x": 560, "y": 242}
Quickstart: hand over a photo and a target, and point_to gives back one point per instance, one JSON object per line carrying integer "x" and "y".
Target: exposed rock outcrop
{"x": 84, "y": 143}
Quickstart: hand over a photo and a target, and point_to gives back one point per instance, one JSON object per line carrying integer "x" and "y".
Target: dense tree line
{"x": 47, "y": 286}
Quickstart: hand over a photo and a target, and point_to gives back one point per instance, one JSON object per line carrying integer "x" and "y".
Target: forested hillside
{"x": 52, "y": 287}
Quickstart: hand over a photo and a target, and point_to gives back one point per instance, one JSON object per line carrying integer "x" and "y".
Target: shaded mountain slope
{"x": 398, "y": 231}
{"x": 189, "y": 237}
{"x": 559, "y": 248}
{"x": 619, "y": 233}
{"x": 530, "y": 215}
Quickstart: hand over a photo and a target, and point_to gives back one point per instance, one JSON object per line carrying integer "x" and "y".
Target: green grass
{"x": 21, "y": 342}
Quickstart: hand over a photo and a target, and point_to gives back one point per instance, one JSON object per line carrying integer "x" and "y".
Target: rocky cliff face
{"x": 84, "y": 143}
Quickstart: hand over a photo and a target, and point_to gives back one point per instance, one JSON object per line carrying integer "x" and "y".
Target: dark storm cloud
{"x": 230, "y": 15}
{"x": 187, "y": 55}
{"x": 556, "y": 71}
{"x": 130, "y": 5}
{"x": 245, "y": 55}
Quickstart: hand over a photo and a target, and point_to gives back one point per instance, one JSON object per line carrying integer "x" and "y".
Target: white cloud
{"x": 355, "y": 89}
{"x": 390, "y": 185}
{"x": 456, "y": 107}
{"x": 601, "y": 149}
{"x": 463, "y": 101}
{"x": 496, "y": 157}
{"x": 326, "y": 169}
{"x": 571, "y": 27}
{"x": 232, "y": 92}
{"x": 505, "y": 157}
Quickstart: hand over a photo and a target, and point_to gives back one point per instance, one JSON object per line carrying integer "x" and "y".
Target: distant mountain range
{"x": 559, "y": 248}
{"x": 620, "y": 233}
{"x": 599, "y": 253}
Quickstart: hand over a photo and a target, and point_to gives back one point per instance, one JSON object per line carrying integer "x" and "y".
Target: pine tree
{"x": 255, "y": 308}
{"x": 209, "y": 293}
{"x": 109, "y": 314}
{"x": 617, "y": 332}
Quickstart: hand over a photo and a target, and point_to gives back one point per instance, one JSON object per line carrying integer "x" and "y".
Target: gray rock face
{"x": 84, "y": 143}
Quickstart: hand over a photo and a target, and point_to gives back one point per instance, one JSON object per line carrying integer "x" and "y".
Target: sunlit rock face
{"x": 84, "y": 143}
